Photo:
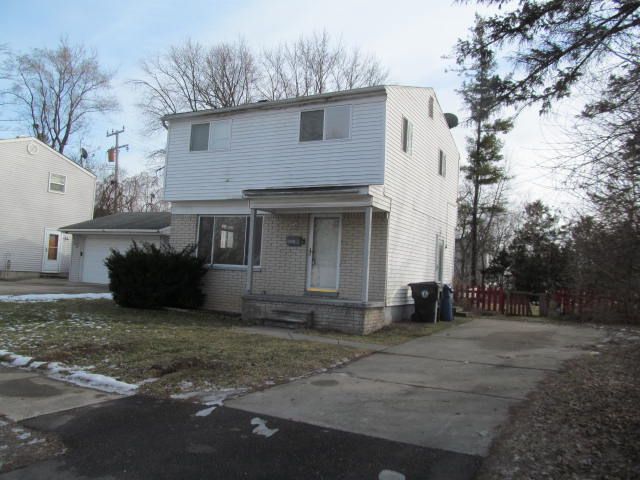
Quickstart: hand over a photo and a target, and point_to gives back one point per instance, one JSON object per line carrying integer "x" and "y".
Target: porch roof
{"x": 313, "y": 199}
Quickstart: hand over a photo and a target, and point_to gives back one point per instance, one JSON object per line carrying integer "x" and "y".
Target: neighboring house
{"x": 350, "y": 196}
{"x": 42, "y": 190}
{"x": 94, "y": 239}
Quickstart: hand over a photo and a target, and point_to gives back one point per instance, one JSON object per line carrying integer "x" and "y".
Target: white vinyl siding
{"x": 423, "y": 204}
{"x": 267, "y": 153}
{"x": 27, "y": 207}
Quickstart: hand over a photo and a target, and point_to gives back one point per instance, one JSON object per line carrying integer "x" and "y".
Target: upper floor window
{"x": 442, "y": 163}
{"x": 224, "y": 240}
{"x": 431, "y": 107}
{"x": 214, "y": 136}
{"x": 199, "y": 137}
{"x": 329, "y": 123}
{"x": 57, "y": 183}
{"x": 221, "y": 135}
{"x": 407, "y": 135}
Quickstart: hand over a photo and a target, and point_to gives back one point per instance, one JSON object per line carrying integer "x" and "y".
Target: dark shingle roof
{"x": 126, "y": 221}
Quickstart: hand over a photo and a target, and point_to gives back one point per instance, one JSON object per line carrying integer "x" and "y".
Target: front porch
{"x": 322, "y": 260}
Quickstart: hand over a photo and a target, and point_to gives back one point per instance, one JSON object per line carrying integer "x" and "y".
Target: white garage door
{"x": 97, "y": 248}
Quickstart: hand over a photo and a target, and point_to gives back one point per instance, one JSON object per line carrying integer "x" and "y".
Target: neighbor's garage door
{"x": 97, "y": 248}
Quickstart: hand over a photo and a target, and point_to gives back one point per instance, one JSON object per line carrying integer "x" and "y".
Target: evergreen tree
{"x": 485, "y": 169}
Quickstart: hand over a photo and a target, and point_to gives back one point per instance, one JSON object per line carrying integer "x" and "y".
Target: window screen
{"x": 338, "y": 120}
{"x": 221, "y": 135}
{"x": 431, "y": 107}
{"x": 199, "y": 137}
{"x": 311, "y": 125}
{"x": 224, "y": 240}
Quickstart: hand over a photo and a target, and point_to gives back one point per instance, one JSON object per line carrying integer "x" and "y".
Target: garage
{"x": 93, "y": 240}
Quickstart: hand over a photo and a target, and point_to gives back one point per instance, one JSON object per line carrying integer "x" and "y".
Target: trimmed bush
{"x": 148, "y": 276}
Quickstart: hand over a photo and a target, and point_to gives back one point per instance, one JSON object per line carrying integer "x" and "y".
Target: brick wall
{"x": 283, "y": 268}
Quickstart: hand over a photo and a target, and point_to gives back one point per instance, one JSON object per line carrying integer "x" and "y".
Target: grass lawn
{"x": 395, "y": 333}
{"x": 175, "y": 347}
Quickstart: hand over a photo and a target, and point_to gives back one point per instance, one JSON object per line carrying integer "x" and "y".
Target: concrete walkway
{"x": 48, "y": 285}
{"x": 451, "y": 390}
{"x": 293, "y": 335}
{"x": 26, "y": 394}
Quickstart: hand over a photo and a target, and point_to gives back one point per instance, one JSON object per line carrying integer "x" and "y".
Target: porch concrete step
{"x": 53, "y": 275}
{"x": 288, "y": 319}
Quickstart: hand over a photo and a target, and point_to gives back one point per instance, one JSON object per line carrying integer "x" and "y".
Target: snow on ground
{"x": 71, "y": 374}
{"x": 52, "y": 297}
{"x": 261, "y": 427}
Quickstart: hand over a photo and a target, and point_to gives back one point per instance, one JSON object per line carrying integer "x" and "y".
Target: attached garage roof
{"x": 134, "y": 222}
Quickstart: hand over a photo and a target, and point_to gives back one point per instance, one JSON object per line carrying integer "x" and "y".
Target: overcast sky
{"x": 409, "y": 37}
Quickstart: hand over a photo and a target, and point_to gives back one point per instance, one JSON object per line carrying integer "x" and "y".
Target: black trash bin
{"x": 446, "y": 304}
{"x": 426, "y": 297}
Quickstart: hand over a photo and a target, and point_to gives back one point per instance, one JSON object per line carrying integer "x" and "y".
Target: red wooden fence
{"x": 494, "y": 299}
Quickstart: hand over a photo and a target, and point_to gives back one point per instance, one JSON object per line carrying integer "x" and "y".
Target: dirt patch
{"x": 581, "y": 422}
{"x": 20, "y": 446}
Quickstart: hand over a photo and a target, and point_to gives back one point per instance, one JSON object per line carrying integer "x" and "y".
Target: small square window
{"x": 225, "y": 240}
{"x": 442, "y": 163}
{"x": 199, "y": 137}
{"x": 311, "y": 125}
{"x": 407, "y": 135}
{"x": 57, "y": 183}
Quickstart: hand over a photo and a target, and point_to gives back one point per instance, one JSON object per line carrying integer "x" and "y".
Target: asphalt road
{"x": 144, "y": 438}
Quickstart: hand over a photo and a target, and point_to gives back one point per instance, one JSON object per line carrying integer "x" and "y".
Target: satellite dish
{"x": 452, "y": 120}
{"x": 83, "y": 154}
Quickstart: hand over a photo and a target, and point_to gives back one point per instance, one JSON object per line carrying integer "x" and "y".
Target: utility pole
{"x": 114, "y": 153}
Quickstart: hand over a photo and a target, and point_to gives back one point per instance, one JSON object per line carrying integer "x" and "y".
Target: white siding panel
{"x": 27, "y": 208}
{"x": 423, "y": 203}
{"x": 265, "y": 152}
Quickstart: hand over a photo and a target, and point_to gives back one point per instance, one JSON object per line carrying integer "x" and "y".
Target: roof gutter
{"x": 115, "y": 230}
{"x": 271, "y": 104}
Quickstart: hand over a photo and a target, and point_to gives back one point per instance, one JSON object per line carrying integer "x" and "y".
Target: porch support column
{"x": 252, "y": 225}
{"x": 366, "y": 253}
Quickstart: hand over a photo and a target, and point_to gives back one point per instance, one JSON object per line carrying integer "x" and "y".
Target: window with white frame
{"x": 439, "y": 258}
{"x": 57, "y": 183}
{"x": 224, "y": 240}
{"x": 407, "y": 135}
{"x": 199, "y": 141}
{"x": 442, "y": 163}
{"x": 430, "y": 107}
{"x": 330, "y": 123}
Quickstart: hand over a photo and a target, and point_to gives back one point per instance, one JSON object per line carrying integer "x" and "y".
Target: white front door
{"x": 52, "y": 251}
{"x": 323, "y": 263}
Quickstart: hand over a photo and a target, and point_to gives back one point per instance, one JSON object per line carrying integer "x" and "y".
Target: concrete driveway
{"x": 451, "y": 390}
{"x": 25, "y": 394}
{"x": 48, "y": 285}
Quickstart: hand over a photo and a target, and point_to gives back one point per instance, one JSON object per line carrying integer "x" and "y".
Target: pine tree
{"x": 485, "y": 168}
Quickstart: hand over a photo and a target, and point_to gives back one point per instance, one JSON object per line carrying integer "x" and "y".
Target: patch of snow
{"x": 100, "y": 382}
{"x": 390, "y": 475}
{"x": 20, "y": 361}
{"x": 184, "y": 396}
{"x": 54, "y": 297}
{"x": 261, "y": 427}
{"x": 35, "y": 441}
{"x": 206, "y": 412}
{"x": 148, "y": 380}
{"x": 3, "y": 423}
{"x": 24, "y": 435}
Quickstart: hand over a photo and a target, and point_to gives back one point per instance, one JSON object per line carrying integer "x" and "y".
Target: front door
{"x": 324, "y": 254}
{"x": 52, "y": 251}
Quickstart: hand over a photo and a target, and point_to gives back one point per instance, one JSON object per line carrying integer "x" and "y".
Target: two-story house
{"x": 317, "y": 209}
{"x": 42, "y": 191}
